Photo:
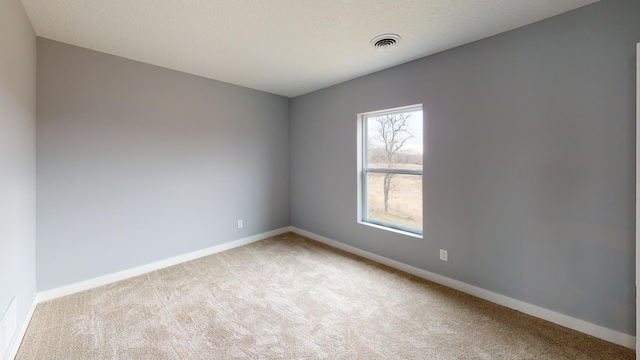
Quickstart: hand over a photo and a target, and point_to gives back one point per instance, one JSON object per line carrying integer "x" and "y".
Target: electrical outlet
{"x": 8, "y": 326}
{"x": 444, "y": 256}
{"x": 240, "y": 225}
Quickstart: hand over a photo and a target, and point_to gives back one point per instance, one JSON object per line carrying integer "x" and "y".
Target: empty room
{"x": 280, "y": 179}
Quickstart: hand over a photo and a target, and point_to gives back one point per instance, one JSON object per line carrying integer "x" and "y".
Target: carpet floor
{"x": 289, "y": 297}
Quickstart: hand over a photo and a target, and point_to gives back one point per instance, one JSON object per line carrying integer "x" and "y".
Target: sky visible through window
{"x": 415, "y": 128}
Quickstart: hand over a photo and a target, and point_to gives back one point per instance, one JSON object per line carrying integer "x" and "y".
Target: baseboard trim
{"x": 140, "y": 270}
{"x": 533, "y": 310}
{"x": 23, "y": 329}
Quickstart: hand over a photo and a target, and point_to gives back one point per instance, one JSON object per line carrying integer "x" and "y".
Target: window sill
{"x": 390, "y": 229}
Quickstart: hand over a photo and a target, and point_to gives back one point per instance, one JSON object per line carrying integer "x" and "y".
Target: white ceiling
{"x": 286, "y": 47}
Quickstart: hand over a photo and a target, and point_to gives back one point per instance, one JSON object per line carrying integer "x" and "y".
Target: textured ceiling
{"x": 286, "y": 47}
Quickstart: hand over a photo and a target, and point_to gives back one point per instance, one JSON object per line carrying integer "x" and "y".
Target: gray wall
{"x": 17, "y": 158}
{"x": 138, "y": 163}
{"x": 529, "y": 165}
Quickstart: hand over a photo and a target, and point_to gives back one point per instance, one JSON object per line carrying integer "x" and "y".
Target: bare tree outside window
{"x": 393, "y": 132}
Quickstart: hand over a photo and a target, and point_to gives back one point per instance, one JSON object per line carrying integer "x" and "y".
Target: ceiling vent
{"x": 385, "y": 42}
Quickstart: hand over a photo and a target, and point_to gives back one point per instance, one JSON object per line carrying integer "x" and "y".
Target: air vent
{"x": 385, "y": 42}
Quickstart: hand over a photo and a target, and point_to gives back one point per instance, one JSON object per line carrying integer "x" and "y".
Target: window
{"x": 390, "y": 174}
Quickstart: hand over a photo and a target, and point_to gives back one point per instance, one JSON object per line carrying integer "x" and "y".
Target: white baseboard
{"x": 126, "y": 274}
{"x": 23, "y": 329}
{"x": 533, "y": 310}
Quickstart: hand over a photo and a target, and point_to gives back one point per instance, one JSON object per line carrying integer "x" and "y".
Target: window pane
{"x": 403, "y": 205}
{"x": 394, "y": 140}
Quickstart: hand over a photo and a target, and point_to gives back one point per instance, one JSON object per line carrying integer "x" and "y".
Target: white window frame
{"x": 364, "y": 169}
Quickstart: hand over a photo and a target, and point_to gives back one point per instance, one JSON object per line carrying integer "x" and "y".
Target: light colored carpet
{"x": 289, "y": 297}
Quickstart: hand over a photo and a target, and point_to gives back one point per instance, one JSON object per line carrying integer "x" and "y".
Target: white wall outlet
{"x": 444, "y": 256}
{"x": 240, "y": 225}
{"x": 8, "y": 326}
